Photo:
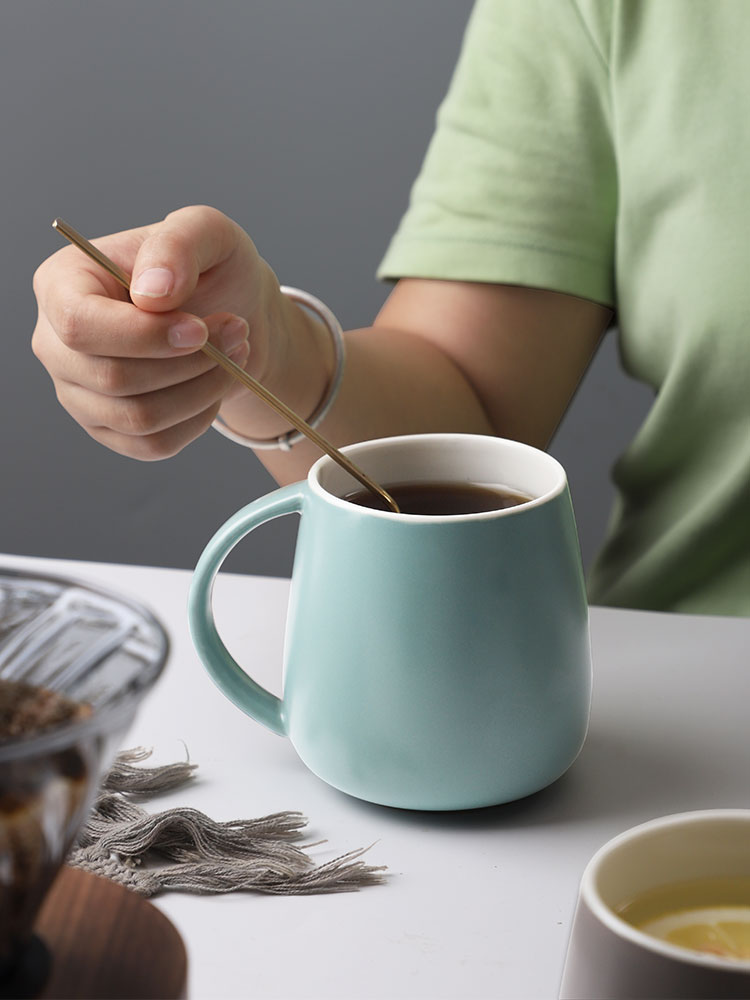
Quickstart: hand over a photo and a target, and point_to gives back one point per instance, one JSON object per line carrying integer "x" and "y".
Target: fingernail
{"x": 154, "y": 282}
{"x": 233, "y": 333}
{"x": 188, "y": 333}
{"x": 240, "y": 354}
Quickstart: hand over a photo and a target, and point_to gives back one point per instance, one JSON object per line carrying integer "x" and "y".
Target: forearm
{"x": 395, "y": 382}
{"x": 441, "y": 356}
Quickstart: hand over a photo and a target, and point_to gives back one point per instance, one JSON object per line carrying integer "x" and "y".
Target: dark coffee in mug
{"x": 441, "y": 498}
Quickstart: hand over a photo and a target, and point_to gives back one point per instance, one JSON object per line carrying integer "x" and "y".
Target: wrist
{"x": 306, "y": 344}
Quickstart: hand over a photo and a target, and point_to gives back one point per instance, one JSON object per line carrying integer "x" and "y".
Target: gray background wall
{"x": 305, "y": 120}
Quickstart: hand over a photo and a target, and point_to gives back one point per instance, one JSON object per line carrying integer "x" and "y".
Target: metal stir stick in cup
{"x": 239, "y": 373}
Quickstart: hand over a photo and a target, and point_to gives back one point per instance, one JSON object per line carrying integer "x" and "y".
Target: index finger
{"x": 77, "y": 304}
{"x": 71, "y": 264}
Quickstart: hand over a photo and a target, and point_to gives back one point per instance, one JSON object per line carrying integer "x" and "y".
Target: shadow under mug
{"x": 609, "y": 959}
{"x": 430, "y": 662}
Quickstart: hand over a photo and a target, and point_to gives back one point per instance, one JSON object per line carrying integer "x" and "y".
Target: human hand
{"x": 132, "y": 373}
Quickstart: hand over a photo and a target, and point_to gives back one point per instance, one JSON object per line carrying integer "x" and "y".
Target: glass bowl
{"x": 94, "y": 647}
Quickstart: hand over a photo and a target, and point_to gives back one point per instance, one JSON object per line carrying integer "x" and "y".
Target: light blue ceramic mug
{"x": 430, "y": 662}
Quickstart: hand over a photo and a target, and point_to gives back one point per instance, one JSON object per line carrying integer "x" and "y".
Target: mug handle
{"x": 223, "y": 669}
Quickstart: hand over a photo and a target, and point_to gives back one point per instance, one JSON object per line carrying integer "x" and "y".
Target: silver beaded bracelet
{"x": 285, "y": 441}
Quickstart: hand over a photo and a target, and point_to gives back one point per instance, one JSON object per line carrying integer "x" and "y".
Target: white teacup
{"x": 610, "y": 959}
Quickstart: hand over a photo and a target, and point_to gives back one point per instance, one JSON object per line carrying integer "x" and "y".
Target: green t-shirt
{"x": 602, "y": 148}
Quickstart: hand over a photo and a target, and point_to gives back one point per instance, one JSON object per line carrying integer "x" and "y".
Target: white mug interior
{"x": 468, "y": 458}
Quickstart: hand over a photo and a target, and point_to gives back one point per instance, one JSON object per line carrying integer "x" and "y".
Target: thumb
{"x": 176, "y": 252}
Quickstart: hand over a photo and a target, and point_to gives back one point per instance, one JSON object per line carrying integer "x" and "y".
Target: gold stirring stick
{"x": 239, "y": 373}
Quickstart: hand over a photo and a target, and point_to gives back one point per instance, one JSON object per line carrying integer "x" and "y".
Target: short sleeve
{"x": 519, "y": 183}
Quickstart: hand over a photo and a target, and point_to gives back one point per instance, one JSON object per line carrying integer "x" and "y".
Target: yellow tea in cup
{"x": 710, "y": 915}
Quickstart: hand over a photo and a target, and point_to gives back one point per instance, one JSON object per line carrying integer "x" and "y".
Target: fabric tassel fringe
{"x": 184, "y": 850}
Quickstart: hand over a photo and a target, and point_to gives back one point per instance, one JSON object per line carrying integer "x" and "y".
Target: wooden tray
{"x": 107, "y": 943}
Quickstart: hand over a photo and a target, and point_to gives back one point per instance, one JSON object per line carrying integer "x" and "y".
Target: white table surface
{"x": 478, "y": 904}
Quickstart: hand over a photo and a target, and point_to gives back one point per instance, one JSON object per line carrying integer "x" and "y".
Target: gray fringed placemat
{"x": 184, "y": 850}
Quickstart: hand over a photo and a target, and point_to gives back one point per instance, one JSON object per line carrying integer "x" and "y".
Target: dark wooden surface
{"x": 108, "y": 943}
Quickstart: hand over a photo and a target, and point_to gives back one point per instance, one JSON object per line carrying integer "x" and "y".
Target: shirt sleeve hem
{"x": 535, "y": 267}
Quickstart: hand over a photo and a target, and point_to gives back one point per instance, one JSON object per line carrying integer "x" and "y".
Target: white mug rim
{"x": 317, "y": 488}
{"x": 621, "y": 928}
